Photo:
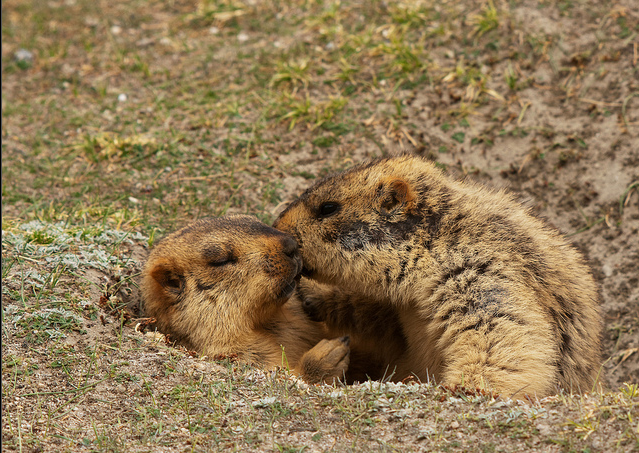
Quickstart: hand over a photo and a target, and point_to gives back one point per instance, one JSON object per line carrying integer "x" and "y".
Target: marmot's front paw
{"x": 327, "y": 361}
{"x": 312, "y": 309}
{"x": 309, "y": 294}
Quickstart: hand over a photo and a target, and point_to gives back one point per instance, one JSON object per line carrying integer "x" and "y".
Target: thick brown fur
{"x": 222, "y": 286}
{"x": 482, "y": 293}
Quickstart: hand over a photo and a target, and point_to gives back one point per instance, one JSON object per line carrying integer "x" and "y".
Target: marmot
{"x": 222, "y": 286}
{"x": 487, "y": 295}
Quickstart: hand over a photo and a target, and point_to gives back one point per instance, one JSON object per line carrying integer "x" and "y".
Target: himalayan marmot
{"x": 485, "y": 294}
{"x": 223, "y": 286}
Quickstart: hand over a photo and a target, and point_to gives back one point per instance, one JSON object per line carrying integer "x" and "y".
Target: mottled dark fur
{"x": 484, "y": 294}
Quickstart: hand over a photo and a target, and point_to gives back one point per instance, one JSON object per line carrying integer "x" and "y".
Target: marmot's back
{"x": 489, "y": 294}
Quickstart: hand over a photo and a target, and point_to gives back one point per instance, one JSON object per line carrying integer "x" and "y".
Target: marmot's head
{"x": 362, "y": 226}
{"x": 216, "y": 279}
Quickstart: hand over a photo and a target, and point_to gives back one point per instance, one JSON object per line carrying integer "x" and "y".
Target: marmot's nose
{"x": 289, "y": 246}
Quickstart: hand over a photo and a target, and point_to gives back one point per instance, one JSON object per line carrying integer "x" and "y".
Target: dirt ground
{"x": 125, "y": 120}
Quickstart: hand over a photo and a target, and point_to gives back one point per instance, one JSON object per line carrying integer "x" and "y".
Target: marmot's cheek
{"x": 353, "y": 240}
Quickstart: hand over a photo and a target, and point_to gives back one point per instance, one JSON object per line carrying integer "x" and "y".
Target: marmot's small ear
{"x": 168, "y": 277}
{"x": 396, "y": 193}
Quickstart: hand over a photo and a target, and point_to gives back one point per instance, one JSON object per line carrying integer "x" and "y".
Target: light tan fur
{"x": 222, "y": 286}
{"x": 485, "y": 295}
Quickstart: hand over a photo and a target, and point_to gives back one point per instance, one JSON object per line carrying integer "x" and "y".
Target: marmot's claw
{"x": 311, "y": 309}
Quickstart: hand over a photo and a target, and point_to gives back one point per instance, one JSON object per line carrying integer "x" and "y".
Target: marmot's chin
{"x": 288, "y": 290}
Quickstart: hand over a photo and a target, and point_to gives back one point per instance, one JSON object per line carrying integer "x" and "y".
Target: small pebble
{"x": 214, "y": 30}
{"x": 264, "y": 402}
{"x": 544, "y": 429}
{"x": 242, "y": 37}
{"x": 607, "y": 270}
{"x": 116, "y": 29}
{"x": 23, "y": 55}
{"x": 92, "y": 22}
{"x": 199, "y": 366}
{"x": 122, "y": 97}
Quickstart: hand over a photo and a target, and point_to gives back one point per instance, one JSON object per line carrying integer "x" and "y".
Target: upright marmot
{"x": 222, "y": 286}
{"x": 486, "y": 294}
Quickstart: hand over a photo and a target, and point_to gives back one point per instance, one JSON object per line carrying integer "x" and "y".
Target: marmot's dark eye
{"x": 222, "y": 261}
{"x": 329, "y": 208}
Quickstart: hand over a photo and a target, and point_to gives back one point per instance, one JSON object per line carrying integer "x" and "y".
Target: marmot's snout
{"x": 289, "y": 247}
{"x": 290, "y": 258}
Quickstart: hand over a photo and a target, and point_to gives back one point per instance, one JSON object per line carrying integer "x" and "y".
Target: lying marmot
{"x": 222, "y": 286}
{"x": 486, "y": 294}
